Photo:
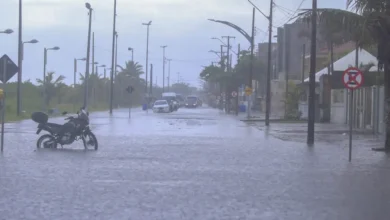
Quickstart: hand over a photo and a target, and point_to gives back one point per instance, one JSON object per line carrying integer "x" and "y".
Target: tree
{"x": 183, "y": 89}
{"x": 368, "y": 25}
{"x": 50, "y": 85}
{"x": 132, "y": 69}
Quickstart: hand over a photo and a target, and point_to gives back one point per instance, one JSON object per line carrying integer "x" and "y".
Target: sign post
{"x": 352, "y": 79}
{"x": 130, "y": 90}
{"x": 4, "y": 107}
{"x": 7, "y": 70}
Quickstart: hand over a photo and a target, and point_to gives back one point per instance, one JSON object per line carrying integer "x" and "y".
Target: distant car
{"x": 200, "y": 103}
{"x": 191, "y": 102}
{"x": 161, "y": 106}
{"x": 180, "y": 100}
{"x": 171, "y": 98}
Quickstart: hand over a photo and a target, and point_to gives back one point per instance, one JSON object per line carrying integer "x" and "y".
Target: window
{"x": 162, "y": 102}
{"x": 338, "y": 95}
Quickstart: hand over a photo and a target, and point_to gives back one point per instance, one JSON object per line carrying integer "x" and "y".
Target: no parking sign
{"x": 352, "y": 79}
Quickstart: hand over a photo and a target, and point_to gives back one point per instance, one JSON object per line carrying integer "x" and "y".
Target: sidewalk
{"x": 335, "y": 134}
{"x": 256, "y": 116}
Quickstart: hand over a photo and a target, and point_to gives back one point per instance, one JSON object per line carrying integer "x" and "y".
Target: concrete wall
{"x": 337, "y": 113}
{"x": 290, "y": 50}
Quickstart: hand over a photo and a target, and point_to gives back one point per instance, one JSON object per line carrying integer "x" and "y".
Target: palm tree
{"x": 368, "y": 25}
{"x": 50, "y": 85}
{"x": 132, "y": 69}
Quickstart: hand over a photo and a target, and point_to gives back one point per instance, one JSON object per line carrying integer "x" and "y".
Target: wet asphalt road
{"x": 191, "y": 164}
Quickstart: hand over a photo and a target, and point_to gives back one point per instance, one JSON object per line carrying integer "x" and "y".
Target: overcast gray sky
{"x": 180, "y": 24}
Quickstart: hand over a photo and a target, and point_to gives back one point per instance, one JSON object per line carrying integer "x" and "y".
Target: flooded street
{"x": 191, "y": 164}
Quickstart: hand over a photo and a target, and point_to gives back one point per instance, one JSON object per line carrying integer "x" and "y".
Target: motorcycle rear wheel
{"x": 46, "y": 141}
{"x": 92, "y": 140}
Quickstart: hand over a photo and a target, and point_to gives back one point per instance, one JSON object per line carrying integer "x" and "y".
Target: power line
{"x": 293, "y": 14}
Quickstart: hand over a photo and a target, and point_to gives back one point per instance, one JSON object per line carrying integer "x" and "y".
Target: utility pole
{"x": 252, "y": 63}
{"x": 74, "y": 73}
{"x": 20, "y": 54}
{"x": 169, "y": 73}
{"x": 312, "y": 80}
{"x": 303, "y": 62}
{"x": 228, "y": 62}
{"x": 147, "y": 55}
{"x": 116, "y": 53}
{"x": 151, "y": 80}
{"x": 87, "y": 63}
{"x": 113, "y": 60}
{"x": 163, "y": 47}
{"x": 268, "y": 95}
{"x": 93, "y": 53}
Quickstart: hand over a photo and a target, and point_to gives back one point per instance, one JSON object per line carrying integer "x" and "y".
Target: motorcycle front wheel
{"x": 46, "y": 141}
{"x": 89, "y": 139}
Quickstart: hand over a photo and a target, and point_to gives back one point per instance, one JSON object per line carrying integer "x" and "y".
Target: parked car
{"x": 161, "y": 106}
{"x": 171, "y": 98}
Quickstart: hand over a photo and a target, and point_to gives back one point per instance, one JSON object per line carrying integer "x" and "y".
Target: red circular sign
{"x": 234, "y": 93}
{"x": 352, "y": 78}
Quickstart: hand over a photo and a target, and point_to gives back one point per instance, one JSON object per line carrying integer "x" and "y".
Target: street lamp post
{"x": 44, "y": 74}
{"x": 163, "y": 47}
{"x": 95, "y": 66}
{"x": 132, "y": 54}
{"x": 75, "y": 70}
{"x": 113, "y": 67}
{"x": 116, "y": 53}
{"x": 97, "y": 69}
{"x": 20, "y": 64}
{"x": 169, "y": 74}
{"x": 312, "y": 80}
{"x": 224, "y": 44}
{"x": 20, "y": 60}
{"x": 86, "y": 77}
{"x": 147, "y": 55}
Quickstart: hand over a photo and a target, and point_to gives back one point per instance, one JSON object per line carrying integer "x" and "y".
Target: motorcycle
{"x": 76, "y": 128}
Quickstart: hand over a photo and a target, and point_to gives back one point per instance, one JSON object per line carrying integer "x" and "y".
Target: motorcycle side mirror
{"x": 64, "y": 113}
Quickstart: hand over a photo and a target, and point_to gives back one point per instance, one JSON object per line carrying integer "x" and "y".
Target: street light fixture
{"x": 33, "y": 41}
{"x": 132, "y": 54}
{"x": 75, "y": 69}
{"x": 7, "y": 31}
{"x": 20, "y": 64}
{"x": 104, "y": 66}
{"x": 224, "y": 44}
{"x": 44, "y": 73}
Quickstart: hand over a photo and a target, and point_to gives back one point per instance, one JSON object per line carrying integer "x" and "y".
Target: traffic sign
{"x": 352, "y": 78}
{"x": 234, "y": 94}
{"x": 248, "y": 91}
{"x": 11, "y": 68}
{"x": 130, "y": 89}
